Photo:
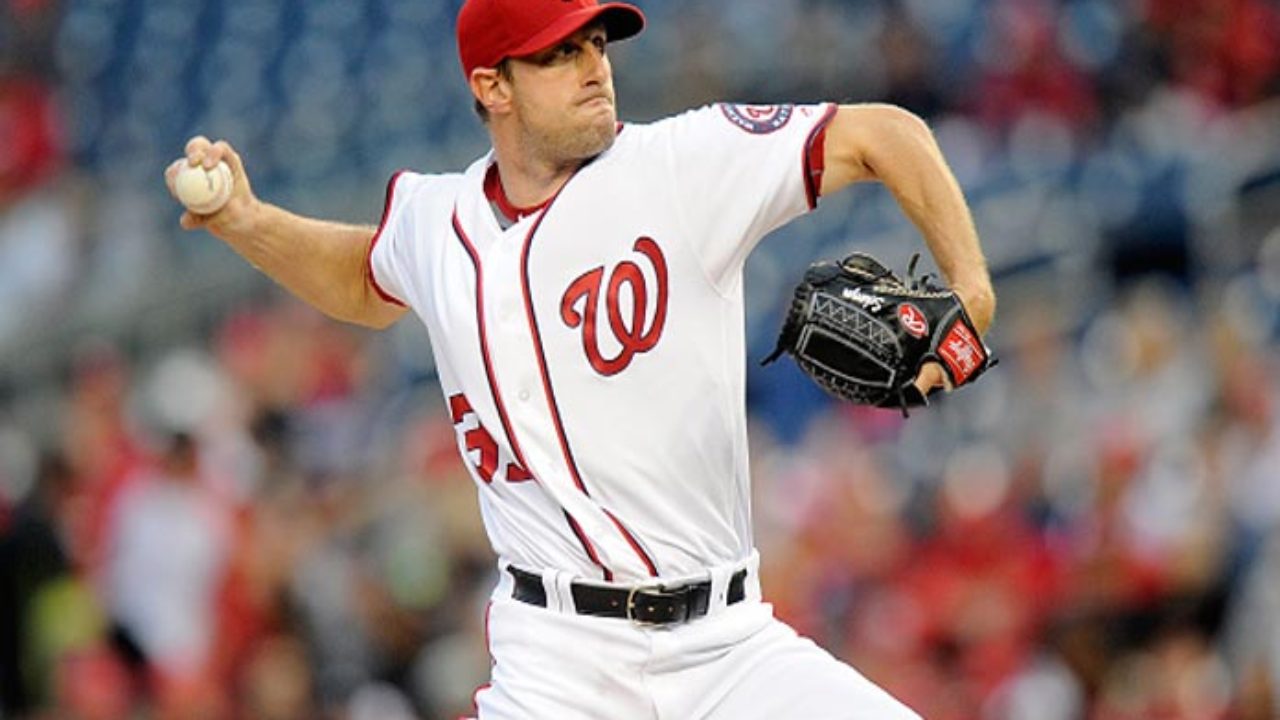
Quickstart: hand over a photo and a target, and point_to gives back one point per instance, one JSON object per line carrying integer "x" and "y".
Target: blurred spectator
{"x": 1227, "y": 50}
{"x": 1179, "y": 677}
{"x": 38, "y": 230}
{"x": 166, "y": 557}
{"x": 31, "y": 145}
{"x": 277, "y": 681}
{"x": 1253, "y": 636}
{"x": 32, "y": 557}
{"x": 1024, "y": 71}
{"x": 100, "y": 444}
{"x": 37, "y": 239}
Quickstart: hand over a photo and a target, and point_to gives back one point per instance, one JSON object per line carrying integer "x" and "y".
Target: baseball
{"x": 203, "y": 192}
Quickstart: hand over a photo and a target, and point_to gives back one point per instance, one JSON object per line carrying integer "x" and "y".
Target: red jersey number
{"x": 479, "y": 439}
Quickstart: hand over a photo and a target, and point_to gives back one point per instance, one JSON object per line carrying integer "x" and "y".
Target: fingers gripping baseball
{"x": 211, "y": 182}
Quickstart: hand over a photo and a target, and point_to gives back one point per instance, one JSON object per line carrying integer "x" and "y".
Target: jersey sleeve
{"x": 390, "y": 251}
{"x": 742, "y": 171}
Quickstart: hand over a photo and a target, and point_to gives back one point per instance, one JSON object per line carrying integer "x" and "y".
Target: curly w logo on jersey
{"x": 633, "y": 334}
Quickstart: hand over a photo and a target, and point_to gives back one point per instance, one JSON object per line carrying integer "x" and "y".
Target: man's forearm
{"x": 929, "y": 195}
{"x": 896, "y": 148}
{"x": 321, "y": 262}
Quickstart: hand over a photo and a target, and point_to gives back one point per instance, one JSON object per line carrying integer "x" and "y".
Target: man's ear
{"x": 491, "y": 90}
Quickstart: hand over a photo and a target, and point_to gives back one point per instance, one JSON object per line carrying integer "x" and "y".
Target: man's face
{"x": 563, "y": 98}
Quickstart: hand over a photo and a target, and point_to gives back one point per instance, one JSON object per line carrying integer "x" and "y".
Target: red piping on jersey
{"x": 815, "y": 160}
{"x": 551, "y": 397}
{"x": 493, "y": 385}
{"x": 498, "y": 196}
{"x": 586, "y": 545}
{"x": 635, "y": 544}
{"x": 382, "y": 224}
{"x": 484, "y": 339}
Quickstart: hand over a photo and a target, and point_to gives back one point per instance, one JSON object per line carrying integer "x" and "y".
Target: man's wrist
{"x": 979, "y": 301}
{"x": 250, "y": 219}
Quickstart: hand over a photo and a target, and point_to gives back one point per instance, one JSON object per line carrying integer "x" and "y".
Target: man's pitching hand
{"x": 237, "y": 215}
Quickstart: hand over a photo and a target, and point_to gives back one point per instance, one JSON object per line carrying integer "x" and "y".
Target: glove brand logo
{"x": 632, "y": 336}
{"x": 758, "y": 119}
{"x": 913, "y": 321}
{"x": 856, "y": 295}
{"x": 962, "y": 352}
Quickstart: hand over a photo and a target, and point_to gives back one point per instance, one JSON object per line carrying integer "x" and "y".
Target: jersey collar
{"x": 494, "y": 191}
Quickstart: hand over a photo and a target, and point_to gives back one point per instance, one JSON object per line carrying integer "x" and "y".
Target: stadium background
{"x": 216, "y": 504}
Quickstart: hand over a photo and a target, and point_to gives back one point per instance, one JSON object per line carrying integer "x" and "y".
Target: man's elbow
{"x": 369, "y": 311}
{"x": 894, "y": 132}
{"x": 904, "y": 122}
{"x": 381, "y": 317}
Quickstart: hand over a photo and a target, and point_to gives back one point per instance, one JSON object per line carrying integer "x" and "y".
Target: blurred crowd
{"x": 216, "y": 504}
{"x": 1092, "y": 536}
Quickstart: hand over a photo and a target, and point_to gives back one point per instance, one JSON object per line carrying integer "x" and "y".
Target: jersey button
{"x": 524, "y": 395}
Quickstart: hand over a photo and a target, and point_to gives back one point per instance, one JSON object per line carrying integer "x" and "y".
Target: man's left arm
{"x": 893, "y": 146}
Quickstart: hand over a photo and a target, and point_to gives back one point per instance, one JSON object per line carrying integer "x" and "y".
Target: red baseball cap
{"x": 491, "y": 30}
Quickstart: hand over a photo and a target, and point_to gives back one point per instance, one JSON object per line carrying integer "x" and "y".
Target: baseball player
{"x": 582, "y": 287}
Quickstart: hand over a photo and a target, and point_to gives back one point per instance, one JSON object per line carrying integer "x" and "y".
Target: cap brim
{"x": 621, "y": 21}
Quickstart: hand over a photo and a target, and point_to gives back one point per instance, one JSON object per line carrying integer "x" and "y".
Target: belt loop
{"x": 559, "y": 585}
{"x": 752, "y": 588}
{"x": 506, "y": 582}
{"x": 720, "y": 575}
{"x": 549, "y": 587}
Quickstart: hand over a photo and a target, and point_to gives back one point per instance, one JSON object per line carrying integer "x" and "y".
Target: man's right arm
{"x": 323, "y": 263}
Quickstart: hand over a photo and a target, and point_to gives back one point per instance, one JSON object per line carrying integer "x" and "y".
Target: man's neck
{"x": 529, "y": 185}
{"x": 508, "y": 212}
{"x": 527, "y": 180}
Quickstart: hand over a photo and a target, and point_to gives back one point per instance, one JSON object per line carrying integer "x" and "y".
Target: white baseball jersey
{"x": 592, "y": 354}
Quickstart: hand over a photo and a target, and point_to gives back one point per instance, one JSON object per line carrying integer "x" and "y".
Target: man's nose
{"x": 593, "y": 58}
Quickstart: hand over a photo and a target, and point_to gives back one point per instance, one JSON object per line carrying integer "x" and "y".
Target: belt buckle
{"x": 660, "y": 590}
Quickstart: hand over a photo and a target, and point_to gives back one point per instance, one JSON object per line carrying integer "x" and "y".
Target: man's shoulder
{"x": 412, "y": 189}
{"x": 666, "y": 122}
{"x": 641, "y": 137}
{"x": 442, "y": 184}
{"x": 727, "y": 118}
{"x": 411, "y": 181}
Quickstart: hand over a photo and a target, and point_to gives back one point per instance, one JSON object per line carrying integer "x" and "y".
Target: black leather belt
{"x": 645, "y": 604}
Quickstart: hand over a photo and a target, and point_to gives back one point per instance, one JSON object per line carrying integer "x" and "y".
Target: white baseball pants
{"x": 737, "y": 663}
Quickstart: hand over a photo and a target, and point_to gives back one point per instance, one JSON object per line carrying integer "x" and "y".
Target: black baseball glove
{"x": 863, "y": 334}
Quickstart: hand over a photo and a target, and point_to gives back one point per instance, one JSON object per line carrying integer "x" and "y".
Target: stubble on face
{"x": 568, "y": 138}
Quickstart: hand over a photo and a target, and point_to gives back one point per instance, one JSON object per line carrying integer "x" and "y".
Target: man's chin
{"x": 573, "y": 146}
{"x": 599, "y": 137}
